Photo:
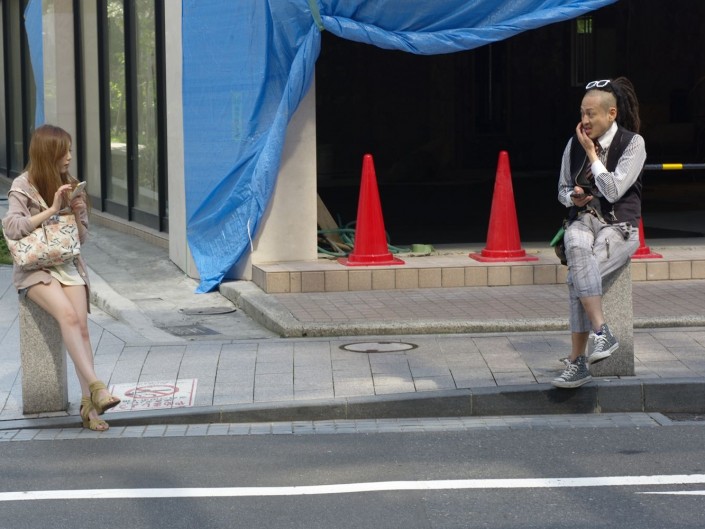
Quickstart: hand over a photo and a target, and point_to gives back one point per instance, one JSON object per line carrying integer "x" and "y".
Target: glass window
{"x": 14, "y": 86}
{"x": 146, "y": 190}
{"x": 583, "y": 48}
{"x": 117, "y": 98}
{"x": 3, "y": 118}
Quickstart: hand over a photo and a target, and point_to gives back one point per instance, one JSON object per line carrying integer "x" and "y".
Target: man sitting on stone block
{"x": 600, "y": 181}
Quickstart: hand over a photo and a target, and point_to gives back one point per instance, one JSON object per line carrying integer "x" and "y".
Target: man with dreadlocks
{"x": 600, "y": 181}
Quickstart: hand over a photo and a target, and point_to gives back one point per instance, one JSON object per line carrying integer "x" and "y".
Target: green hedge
{"x": 5, "y": 257}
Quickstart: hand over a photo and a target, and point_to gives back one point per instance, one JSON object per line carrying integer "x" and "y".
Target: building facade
{"x": 112, "y": 77}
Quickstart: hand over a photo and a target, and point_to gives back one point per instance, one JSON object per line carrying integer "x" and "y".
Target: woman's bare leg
{"x": 77, "y": 298}
{"x": 53, "y": 298}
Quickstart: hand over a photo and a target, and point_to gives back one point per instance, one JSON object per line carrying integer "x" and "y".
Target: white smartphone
{"x": 77, "y": 190}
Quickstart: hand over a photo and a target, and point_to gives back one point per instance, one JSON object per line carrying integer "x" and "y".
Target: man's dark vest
{"x": 627, "y": 208}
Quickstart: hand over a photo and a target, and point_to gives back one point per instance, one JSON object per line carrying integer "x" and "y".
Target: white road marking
{"x": 351, "y": 488}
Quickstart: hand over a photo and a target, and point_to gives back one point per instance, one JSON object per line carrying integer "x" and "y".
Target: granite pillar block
{"x": 619, "y": 315}
{"x": 43, "y": 357}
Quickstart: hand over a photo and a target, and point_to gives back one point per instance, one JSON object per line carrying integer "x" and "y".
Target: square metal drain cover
{"x": 189, "y": 330}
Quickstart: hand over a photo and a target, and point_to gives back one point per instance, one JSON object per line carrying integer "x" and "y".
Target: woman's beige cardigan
{"x": 16, "y": 224}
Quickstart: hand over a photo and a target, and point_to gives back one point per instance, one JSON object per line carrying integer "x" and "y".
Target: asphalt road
{"x": 563, "y": 476}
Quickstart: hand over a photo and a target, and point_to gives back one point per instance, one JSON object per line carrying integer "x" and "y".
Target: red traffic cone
{"x": 503, "y": 242}
{"x": 370, "y": 246}
{"x": 644, "y": 252}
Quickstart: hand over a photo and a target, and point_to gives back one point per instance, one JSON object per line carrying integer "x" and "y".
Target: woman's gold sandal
{"x": 102, "y": 405}
{"x": 92, "y": 423}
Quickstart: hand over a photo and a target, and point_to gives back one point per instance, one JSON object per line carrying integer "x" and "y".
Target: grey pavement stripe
{"x": 366, "y": 426}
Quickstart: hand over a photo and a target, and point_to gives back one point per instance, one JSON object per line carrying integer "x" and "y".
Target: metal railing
{"x": 674, "y": 166}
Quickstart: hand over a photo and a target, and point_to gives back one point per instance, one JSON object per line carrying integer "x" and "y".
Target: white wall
{"x": 289, "y": 224}
{"x": 179, "y": 252}
{"x": 59, "y": 72}
{"x": 288, "y": 228}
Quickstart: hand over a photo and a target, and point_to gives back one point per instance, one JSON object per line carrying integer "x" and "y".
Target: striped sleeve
{"x": 614, "y": 184}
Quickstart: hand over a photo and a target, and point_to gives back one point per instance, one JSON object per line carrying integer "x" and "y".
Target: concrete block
{"x": 698, "y": 268}
{"x": 277, "y": 283}
{"x": 453, "y": 277}
{"x": 476, "y": 276}
{"x": 454, "y": 403}
{"x": 521, "y": 275}
{"x": 657, "y": 271}
{"x": 531, "y": 399}
{"x": 313, "y": 282}
{"x": 684, "y": 395}
{"x": 336, "y": 281}
{"x": 545, "y": 274}
{"x": 638, "y": 271}
{"x": 498, "y": 276}
{"x": 619, "y": 314}
{"x": 360, "y": 280}
{"x": 430, "y": 278}
{"x": 383, "y": 280}
{"x": 679, "y": 270}
{"x": 43, "y": 357}
{"x": 407, "y": 278}
{"x": 620, "y": 396}
{"x": 295, "y": 282}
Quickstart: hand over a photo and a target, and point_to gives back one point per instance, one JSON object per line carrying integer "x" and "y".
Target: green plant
{"x": 5, "y": 257}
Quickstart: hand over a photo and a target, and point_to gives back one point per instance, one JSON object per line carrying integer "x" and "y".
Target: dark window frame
{"x": 158, "y": 221}
{"x": 25, "y": 95}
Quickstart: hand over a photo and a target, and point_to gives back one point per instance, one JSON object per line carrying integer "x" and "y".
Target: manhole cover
{"x": 207, "y": 311}
{"x": 189, "y": 330}
{"x": 378, "y": 347}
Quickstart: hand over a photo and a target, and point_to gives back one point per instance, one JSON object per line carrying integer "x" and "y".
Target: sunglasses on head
{"x": 597, "y": 84}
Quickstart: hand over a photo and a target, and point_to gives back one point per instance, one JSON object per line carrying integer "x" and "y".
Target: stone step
{"x": 455, "y": 269}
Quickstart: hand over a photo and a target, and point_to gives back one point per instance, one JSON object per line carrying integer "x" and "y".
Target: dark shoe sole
{"x": 571, "y": 385}
{"x": 604, "y": 355}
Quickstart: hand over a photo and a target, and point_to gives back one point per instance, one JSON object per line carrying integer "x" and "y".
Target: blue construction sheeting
{"x": 35, "y": 40}
{"x": 247, "y": 66}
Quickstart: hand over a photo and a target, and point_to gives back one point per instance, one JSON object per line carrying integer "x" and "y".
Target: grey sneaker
{"x": 575, "y": 375}
{"x": 605, "y": 344}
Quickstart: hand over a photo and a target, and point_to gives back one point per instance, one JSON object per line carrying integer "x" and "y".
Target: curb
{"x": 122, "y": 309}
{"x": 676, "y": 395}
{"x": 269, "y": 313}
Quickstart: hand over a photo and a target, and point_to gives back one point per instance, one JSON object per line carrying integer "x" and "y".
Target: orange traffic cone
{"x": 503, "y": 242}
{"x": 644, "y": 252}
{"x": 370, "y": 246}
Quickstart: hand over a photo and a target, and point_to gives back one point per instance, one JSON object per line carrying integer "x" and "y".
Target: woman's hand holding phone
{"x": 77, "y": 190}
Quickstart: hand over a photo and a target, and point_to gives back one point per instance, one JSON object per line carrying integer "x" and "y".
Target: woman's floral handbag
{"x": 53, "y": 243}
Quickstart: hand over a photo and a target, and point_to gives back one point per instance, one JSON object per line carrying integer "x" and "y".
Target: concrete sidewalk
{"x": 404, "y": 353}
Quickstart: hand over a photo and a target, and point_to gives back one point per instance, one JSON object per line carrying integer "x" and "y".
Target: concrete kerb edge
{"x": 267, "y": 311}
{"x": 656, "y": 322}
{"x": 682, "y": 395}
{"x": 262, "y": 308}
{"x": 122, "y": 309}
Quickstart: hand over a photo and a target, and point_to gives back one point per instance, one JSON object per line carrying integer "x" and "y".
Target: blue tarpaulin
{"x": 248, "y": 64}
{"x": 33, "y": 26}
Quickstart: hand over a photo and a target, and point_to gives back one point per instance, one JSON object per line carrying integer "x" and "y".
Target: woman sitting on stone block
{"x": 41, "y": 192}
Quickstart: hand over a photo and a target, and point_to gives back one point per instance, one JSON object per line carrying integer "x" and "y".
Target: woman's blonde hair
{"x": 49, "y": 144}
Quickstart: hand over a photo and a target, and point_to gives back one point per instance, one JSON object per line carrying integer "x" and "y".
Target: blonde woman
{"x": 39, "y": 193}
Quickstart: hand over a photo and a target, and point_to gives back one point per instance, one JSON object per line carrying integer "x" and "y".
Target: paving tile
{"x": 347, "y": 389}
{"x": 388, "y": 389}
{"x": 432, "y": 383}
